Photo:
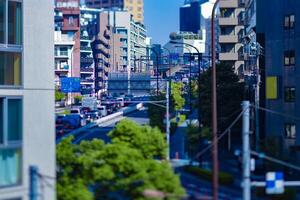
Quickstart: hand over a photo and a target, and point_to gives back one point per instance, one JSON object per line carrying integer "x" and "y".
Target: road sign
{"x": 274, "y": 183}
{"x": 70, "y": 84}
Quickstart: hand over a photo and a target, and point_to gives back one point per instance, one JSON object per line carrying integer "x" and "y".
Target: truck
{"x": 89, "y": 102}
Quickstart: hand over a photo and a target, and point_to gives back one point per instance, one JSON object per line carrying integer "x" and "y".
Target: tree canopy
{"x": 123, "y": 169}
{"x": 178, "y": 100}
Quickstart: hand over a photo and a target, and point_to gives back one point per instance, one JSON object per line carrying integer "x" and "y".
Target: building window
{"x": 10, "y": 68}
{"x": 71, "y": 21}
{"x": 290, "y": 131}
{"x": 10, "y": 43}
{"x": 289, "y": 22}
{"x": 10, "y": 141}
{"x": 289, "y": 58}
{"x": 289, "y": 94}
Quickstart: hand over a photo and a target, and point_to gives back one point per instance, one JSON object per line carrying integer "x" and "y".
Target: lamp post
{"x": 214, "y": 107}
{"x": 190, "y": 75}
{"x": 199, "y": 74}
{"x": 157, "y": 60}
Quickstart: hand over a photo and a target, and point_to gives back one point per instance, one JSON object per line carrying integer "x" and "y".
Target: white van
{"x": 102, "y": 110}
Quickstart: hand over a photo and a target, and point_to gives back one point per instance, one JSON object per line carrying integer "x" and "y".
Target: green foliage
{"x": 230, "y": 93}
{"x": 124, "y": 167}
{"x": 59, "y": 96}
{"x": 150, "y": 141}
{"x": 77, "y": 99}
{"x": 178, "y": 100}
{"x": 193, "y": 140}
{"x": 156, "y": 113}
{"x": 224, "y": 178}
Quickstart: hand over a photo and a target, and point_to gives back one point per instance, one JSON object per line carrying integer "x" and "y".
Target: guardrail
{"x": 123, "y": 112}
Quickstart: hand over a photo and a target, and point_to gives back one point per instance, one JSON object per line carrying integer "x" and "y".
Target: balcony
{"x": 61, "y": 54}
{"x": 87, "y": 70}
{"x": 87, "y": 81}
{"x": 231, "y": 56}
{"x": 86, "y": 48}
{"x": 88, "y": 60}
{"x": 62, "y": 68}
{"x": 229, "y": 4}
{"x": 228, "y": 38}
{"x": 84, "y": 37}
{"x": 228, "y": 21}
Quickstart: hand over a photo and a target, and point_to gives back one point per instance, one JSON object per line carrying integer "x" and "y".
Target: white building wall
{"x": 38, "y": 98}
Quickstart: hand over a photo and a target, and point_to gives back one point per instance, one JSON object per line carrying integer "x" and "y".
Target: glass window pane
{"x": 2, "y": 21}
{"x": 10, "y": 167}
{"x": 14, "y": 119}
{"x": 10, "y": 68}
{"x": 14, "y": 23}
{"x": 1, "y": 121}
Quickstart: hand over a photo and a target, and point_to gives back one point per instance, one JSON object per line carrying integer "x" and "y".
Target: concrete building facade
{"x": 280, "y": 39}
{"x": 135, "y": 7}
{"x": 231, "y": 22}
{"x": 27, "y": 136}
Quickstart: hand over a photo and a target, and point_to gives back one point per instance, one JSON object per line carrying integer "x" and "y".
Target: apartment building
{"x": 88, "y": 29}
{"x": 135, "y": 7}
{"x": 280, "y": 39}
{"x": 27, "y": 136}
{"x": 231, "y": 33}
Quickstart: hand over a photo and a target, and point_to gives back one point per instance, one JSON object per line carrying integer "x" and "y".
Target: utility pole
{"x": 33, "y": 184}
{"x": 246, "y": 151}
{"x": 257, "y": 99}
{"x": 215, "y": 177}
{"x": 168, "y": 118}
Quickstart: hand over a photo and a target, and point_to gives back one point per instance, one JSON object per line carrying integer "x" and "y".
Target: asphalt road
{"x": 101, "y": 131}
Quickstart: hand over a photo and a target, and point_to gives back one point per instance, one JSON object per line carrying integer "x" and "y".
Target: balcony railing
{"x": 84, "y": 37}
{"x": 87, "y": 60}
{"x": 85, "y": 48}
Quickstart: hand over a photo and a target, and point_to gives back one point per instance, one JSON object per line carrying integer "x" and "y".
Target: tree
{"x": 119, "y": 170}
{"x": 230, "y": 93}
{"x": 59, "y": 96}
{"x": 156, "y": 113}
{"x": 150, "y": 141}
{"x": 178, "y": 100}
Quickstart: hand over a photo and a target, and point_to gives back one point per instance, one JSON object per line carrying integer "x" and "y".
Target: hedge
{"x": 224, "y": 178}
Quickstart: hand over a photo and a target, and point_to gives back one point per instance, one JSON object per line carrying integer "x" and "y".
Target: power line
{"x": 276, "y": 112}
{"x": 220, "y": 136}
{"x": 275, "y": 160}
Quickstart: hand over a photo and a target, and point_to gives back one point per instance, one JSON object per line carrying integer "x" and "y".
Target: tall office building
{"x": 135, "y": 7}
{"x": 27, "y": 135}
{"x": 231, "y": 34}
{"x": 280, "y": 38}
{"x": 190, "y": 16}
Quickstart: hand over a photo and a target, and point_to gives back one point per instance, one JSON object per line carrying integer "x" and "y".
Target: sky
{"x": 161, "y": 18}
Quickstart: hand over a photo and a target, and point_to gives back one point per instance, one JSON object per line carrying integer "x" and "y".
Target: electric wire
{"x": 220, "y": 136}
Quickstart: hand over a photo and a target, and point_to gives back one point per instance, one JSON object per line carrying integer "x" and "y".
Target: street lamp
{"x": 199, "y": 73}
{"x": 190, "y": 76}
{"x": 156, "y": 54}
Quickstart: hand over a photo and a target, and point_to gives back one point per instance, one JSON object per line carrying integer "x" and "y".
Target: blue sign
{"x": 274, "y": 183}
{"x": 70, "y": 85}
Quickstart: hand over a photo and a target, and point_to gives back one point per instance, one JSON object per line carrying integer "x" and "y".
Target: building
{"x": 63, "y": 47}
{"x": 190, "y": 16}
{"x": 280, "y": 39}
{"x": 135, "y": 7}
{"x": 27, "y": 136}
{"x": 88, "y": 29}
{"x": 231, "y": 22}
{"x": 117, "y": 45}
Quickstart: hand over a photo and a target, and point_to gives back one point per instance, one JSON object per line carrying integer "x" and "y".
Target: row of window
{"x": 11, "y": 109}
{"x": 10, "y": 42}
{"x": 10, "y": 141}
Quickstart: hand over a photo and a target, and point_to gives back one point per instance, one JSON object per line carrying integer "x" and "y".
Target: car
{"x": 103, "y": 111}
{"x": 90, "y": 117}
{"x": 84, "y": 110}
{"x": 75, "y": 120}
